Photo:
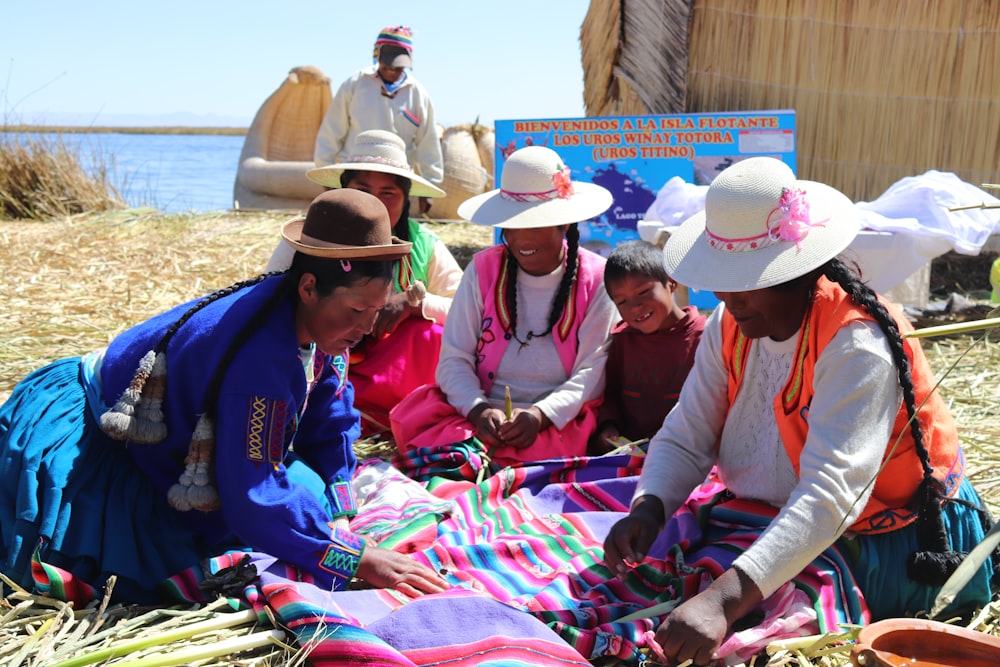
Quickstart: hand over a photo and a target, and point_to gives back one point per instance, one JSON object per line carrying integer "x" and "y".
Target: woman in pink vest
{"x": 401, "y": 352}
{"x": 827, "y": 447}
{"x": 531, "y": 317}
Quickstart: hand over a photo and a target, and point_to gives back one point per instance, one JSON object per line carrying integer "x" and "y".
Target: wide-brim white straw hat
{"x": 536, "y": 191}
{"x": 761, "y": 227}
{"x": 376, "y": 150}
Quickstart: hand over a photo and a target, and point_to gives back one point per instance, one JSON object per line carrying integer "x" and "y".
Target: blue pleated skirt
{"x": 880, "y": 565}
{"x": 73, "y": 494}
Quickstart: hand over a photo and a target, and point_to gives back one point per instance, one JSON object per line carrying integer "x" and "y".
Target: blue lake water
{"x": 175, "y": 173}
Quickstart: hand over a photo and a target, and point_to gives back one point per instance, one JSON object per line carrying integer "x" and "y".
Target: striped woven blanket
{"x": 523, "y": 552}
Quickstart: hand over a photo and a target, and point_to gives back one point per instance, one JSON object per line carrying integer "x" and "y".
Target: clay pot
{"x": 913, "y": 642}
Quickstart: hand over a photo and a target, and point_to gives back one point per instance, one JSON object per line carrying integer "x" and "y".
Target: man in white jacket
{"x": 384, "y": 96}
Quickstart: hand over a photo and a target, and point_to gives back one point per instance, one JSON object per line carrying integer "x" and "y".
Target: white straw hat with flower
{"x": 376, "y": 150}
{"x": 536, "y": 191}
{"x": 761, "y": 227}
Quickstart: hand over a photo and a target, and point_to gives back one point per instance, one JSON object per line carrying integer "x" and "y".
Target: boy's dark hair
{"x": 635, "y": 258}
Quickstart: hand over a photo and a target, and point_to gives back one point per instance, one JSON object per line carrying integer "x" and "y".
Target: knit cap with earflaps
{"x": 137, "y": 416}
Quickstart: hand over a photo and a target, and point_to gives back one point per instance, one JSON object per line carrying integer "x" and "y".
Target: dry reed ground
{"x": 73, "y": 284}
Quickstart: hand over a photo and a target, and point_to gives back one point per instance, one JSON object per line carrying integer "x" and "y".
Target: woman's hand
{"x": 695, "y": 629}
{"x": 384, "y": 568}
{"x": 487, "y": 422}
{"x": 629, "y": 540}
{"x": 522, "y": 429}
{"x": 395, "y": 311}
{"x": 600, "y": 442}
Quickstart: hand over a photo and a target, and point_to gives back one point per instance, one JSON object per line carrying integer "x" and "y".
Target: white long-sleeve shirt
{"x": 534, "y": 373}
{"x": 360, "y": 105}
{"x": 857, "y": 397}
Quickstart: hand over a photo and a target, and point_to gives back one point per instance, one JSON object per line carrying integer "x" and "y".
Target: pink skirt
{"x": 391, "y": 368}
{"x": 425, "y": 418}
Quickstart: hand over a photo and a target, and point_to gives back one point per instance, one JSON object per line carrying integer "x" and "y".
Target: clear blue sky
{"x": 112, "y": 62}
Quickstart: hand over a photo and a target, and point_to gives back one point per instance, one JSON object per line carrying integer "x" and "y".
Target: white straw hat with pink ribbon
{"x": 536, "y": 191}
{"x": 761, "y": 227}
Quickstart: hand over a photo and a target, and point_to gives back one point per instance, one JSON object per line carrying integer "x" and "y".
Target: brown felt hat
{"x": 345, "y": 224}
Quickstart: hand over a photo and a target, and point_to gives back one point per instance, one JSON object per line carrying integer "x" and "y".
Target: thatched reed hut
{"x": 882, "y": 89}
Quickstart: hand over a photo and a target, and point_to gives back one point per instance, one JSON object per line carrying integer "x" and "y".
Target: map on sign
{"x": 633, "y": 156}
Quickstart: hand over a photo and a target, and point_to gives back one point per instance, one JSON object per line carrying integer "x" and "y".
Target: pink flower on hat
{"x": 793, "y": 221}
{"x": 564, "y": 187}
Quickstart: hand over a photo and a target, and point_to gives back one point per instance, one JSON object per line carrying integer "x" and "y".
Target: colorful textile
{"x": 461, "y": 460}
{"x": 342, "y": 557}
{"x": 429, "y": 426}
{"x": 523, "y": 552}
{"x": 395, "y": 35}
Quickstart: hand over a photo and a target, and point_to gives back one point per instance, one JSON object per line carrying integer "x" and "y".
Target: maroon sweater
{"x": 645, "y": 373}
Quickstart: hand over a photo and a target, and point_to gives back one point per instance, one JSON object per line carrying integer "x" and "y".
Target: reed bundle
{"x": 37, "y": 631}
{"x": 882, "y": 90}
{"x": 600, "y": 41}
{"x": 620, "y": 41}
{"x": 42, "y": 177}
{"x": 468, "y": 152}
{"x": 286, "y": 124}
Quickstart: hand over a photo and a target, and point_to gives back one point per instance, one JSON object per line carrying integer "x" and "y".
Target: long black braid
{"x": 863, "y": 295}
{"x": 561, "y": 296}
{"x": 161, "y": 345}
{"x": 935, "y": 561}
{"x": 329, "y": 274}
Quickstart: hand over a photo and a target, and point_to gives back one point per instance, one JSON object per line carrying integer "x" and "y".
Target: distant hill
{"x": 97, "y": 119}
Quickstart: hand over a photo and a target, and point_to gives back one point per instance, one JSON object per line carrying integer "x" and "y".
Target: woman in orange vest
{"x": 815, "y": 422}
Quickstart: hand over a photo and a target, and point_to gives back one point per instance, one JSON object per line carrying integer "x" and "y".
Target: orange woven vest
{"x": 891, "y": 504}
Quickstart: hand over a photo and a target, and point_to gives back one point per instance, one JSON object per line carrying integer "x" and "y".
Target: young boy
{"x": 652, "y": 348}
